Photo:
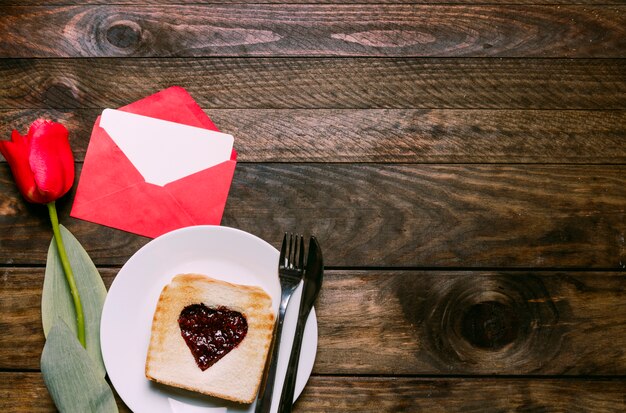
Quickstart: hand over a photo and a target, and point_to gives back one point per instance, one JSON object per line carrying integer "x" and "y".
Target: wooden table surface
{"x": 463, "y": 165}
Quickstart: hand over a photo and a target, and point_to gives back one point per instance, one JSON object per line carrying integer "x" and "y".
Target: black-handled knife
{"x": 313, "y": 275}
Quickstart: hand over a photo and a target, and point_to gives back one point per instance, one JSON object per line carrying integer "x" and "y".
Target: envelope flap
{"x": 94, "y": 179}
{"x": 173, "y": 104}
{"x": 205, "y": 203}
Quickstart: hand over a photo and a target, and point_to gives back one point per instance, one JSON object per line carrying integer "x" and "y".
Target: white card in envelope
{"x": 165, "y": 151}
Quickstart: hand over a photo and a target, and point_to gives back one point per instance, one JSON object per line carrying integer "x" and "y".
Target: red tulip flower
{"x": 43, "y": 166}
{"x": 41, "y": 162}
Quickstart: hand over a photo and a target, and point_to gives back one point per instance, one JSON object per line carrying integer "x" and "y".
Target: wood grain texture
{"x": 313, "y": 30}
{"x": 419, "y": 322}
{"x": 390, "y": 135}
{"x": 202, "y": 2}
{"x": 26, "y": 393}
{"x": 389, "y": 215}
{"x": 393, "y": 395}
{"x": 292, "y": 83}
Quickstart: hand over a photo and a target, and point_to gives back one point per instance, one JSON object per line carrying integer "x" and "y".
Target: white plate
{"x": 220, "y": 252}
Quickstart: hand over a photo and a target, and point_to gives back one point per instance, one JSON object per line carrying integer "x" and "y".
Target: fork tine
{"x": 294, "y": 251}
{"x": 283, "y": 249}
{"x": 301, "y": 258}
{"x": 296, "y": 255}
{"x": 289, "y": 255}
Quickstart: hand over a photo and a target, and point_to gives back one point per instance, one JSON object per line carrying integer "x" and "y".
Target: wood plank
{"x": 393, "y": 395}
{"x": 314, "y": 30}
{"x": 540, "y": 216}
{"x": 419, "y": 322}
{"x": 197, "y": 2}
{"x": 293, "y": 83}
{"x": 410, "y": 322}
{"x": 26, "y": 392}
{"x": 391, "y": 135}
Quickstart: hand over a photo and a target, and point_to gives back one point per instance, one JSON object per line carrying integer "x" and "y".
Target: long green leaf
{"x": 71, "y": 375}
{"x": 56, "y": 301}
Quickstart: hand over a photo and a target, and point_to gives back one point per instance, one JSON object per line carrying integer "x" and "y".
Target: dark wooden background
{"x": 463, "y": 164}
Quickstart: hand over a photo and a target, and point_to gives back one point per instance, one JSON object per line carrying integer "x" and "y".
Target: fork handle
{"x": 286, "y": 398}
{"x": 264, "y": 403}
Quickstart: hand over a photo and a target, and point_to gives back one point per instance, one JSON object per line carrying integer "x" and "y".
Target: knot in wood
{"x": 482, "y": 323}
{"x": 490, "y": 325}
{"x": 61, "y": 94}
{"x": 124, "y": 34}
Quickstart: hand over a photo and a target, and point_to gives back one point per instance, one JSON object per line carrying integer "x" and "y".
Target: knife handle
{"x": 264, "y": 402}
{"x": 286, "y": 397}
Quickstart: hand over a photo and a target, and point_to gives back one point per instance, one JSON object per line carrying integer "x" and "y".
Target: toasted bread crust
{"x": 237, "y": 375}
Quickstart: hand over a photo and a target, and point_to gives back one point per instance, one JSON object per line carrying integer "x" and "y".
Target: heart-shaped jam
{"x": 211, "y": 333}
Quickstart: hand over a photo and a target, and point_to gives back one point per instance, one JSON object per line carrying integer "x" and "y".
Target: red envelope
{"x": 112, "y": 192}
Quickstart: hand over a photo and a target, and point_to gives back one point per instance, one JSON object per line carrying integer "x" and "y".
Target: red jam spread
{"x": 211, "y": 333}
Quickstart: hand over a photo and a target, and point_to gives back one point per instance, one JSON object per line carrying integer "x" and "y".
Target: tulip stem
{"x": 69, "y": 275}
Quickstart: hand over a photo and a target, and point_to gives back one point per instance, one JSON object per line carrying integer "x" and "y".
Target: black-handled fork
{"x": 290, "y": 271}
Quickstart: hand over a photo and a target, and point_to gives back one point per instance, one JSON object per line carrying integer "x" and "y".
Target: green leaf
{"x": 71, "y": 375}
{"x": 56, "y": 301}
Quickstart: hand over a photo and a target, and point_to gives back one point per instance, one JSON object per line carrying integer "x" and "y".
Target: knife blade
{"x": 312, "y": 283}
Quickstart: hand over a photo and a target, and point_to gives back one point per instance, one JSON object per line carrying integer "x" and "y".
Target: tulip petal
{"x": 15, "y": 148}
{"x": 17, "y": 138}
{"x": 51, "y": 159}
{"x": 16, "y": 154}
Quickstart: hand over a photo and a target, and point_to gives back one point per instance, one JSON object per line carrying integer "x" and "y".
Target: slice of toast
{"x": 237, "y": 375}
